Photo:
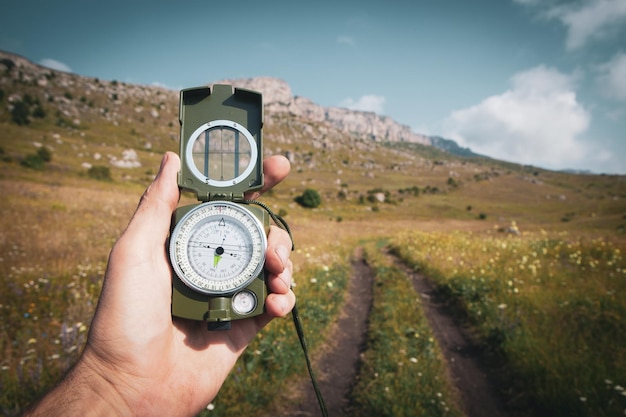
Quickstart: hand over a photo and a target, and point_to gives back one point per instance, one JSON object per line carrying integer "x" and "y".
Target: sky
{"x": 538, "y": 82}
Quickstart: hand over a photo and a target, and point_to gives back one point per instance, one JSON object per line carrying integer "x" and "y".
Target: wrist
{"x": 84, "y": 391}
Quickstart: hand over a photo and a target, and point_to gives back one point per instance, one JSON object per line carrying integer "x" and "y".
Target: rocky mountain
{"x": 126, "y": 101}
{"x": 278, "y": 98}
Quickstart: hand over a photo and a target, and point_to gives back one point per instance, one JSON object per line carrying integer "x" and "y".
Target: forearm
{"x": 82, "y": 392}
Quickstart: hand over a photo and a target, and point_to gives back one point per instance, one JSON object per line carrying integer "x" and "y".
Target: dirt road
{"x": 468, "y": 365}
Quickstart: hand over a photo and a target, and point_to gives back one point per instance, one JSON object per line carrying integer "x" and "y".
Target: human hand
{"x": 138, "y": 360}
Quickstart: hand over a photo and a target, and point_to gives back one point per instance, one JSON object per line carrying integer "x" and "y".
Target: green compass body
{"x": 217, "y": 247}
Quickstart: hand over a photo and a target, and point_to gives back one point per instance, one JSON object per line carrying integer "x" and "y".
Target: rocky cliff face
{"x": 278, "y": 98}
{"x": 125, "y": 101}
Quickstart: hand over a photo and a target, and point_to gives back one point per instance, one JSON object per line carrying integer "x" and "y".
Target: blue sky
{"x": 539, "y": 82}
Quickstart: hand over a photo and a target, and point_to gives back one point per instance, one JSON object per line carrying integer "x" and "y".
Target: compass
{"x": 217, "y": 246}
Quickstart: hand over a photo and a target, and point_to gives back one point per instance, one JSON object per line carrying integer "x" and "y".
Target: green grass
{"x": 565, "y": 323}
{"x": 550, "y": 304}
{"x": 275, "y": 359}
{"x": 402, "y": 371}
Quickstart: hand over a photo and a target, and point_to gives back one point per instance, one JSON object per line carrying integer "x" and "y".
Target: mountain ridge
{"x": 278, "y": 97}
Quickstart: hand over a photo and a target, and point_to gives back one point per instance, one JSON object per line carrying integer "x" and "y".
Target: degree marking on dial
{"x": 228, "y": 235}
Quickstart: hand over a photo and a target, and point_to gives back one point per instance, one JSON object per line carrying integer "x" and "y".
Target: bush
{"x": 39, "y": 112}
{"x": 37, "y": 160}
{"x": 45, "y": 154}
{"x": 100, "y": 173}
{"x": 33, "y": 161}
{"x": 20, "y": 113}
{"x": 309, "y": 198}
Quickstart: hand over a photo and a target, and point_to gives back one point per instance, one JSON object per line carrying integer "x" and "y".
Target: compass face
{"x": 218, "y": 248}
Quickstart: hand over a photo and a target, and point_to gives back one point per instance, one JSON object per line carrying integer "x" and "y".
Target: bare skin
{"x": 138, "y": 360}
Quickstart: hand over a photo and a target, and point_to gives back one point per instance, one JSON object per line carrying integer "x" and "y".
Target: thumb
{"x": 151, "y": 220}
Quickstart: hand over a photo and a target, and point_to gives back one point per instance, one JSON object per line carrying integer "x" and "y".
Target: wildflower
{"x": 313, "y": 280}
{"x": 413, "y": 360}
{"x": 210, "y": 407}
{"x": 502, "y": 306}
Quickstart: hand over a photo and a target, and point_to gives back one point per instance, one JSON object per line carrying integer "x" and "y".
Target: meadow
{"x": 532, "y": 259}
{"x": 547, "y": 301}
{"x": 551, "y": 304}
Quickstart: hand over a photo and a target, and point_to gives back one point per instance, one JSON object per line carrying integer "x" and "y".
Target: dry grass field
{"x": 58, "y": 222}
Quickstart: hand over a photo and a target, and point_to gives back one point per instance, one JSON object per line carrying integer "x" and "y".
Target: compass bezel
{"x": 179, "y": 248}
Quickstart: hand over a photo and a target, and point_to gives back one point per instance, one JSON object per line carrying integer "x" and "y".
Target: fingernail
{"x": 283, "y": 254}
{"x": 282, "y": 302}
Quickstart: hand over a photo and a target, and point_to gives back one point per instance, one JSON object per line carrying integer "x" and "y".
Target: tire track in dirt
{"x": 468, "y": 364}
{"x": 337, "y": 367}
{"x": 338, "y": 364}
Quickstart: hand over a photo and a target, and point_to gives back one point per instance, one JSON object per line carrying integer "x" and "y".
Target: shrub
{"x": 20, "y": 113}
{"x": 33, "y": 161}
{"x": 100, "y": 173}
{"x": 39, "y": 112}
{"x": 309, "y": 198}
{"x": 45, "y": 154}
{"x": 37, "y": 160}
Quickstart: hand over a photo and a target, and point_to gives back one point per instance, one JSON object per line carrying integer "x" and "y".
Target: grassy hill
{"x": 86, "y": 122}
{"x": 63, "y": 207}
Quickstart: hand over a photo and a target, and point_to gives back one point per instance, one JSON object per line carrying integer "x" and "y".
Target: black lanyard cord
{"x": 280, "y": 222}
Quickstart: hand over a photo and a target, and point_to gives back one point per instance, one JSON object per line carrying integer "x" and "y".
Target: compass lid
{"x": 221, "y": 144}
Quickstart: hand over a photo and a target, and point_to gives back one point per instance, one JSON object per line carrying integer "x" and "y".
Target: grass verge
{"x": 549, "y": 304}
{"x": 402, "y": 371}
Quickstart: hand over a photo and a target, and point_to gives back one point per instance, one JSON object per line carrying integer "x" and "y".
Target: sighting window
{"x": 223, "y": 153}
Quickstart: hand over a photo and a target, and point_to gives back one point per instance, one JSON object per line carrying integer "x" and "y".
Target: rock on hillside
{"x": 278, "y": 98}
{"x": 121, "y": 103}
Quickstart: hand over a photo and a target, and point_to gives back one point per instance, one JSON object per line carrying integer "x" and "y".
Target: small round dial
{"x": 218, "y": 247}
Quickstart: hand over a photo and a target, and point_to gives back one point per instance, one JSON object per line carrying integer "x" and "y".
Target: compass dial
{"x": 218, "y": 248}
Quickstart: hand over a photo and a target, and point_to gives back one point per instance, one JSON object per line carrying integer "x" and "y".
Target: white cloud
{"x": 612, "y": 77}
{"x": 165, "y": 86}
{"x": 589, "y": 19}
{"x": 527, "y": 2}
{"x": 55, "y": 65}
{"x": 537, "y": 121}
{"x": 346, "y": 40}
{"x": 368, "y": 102}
